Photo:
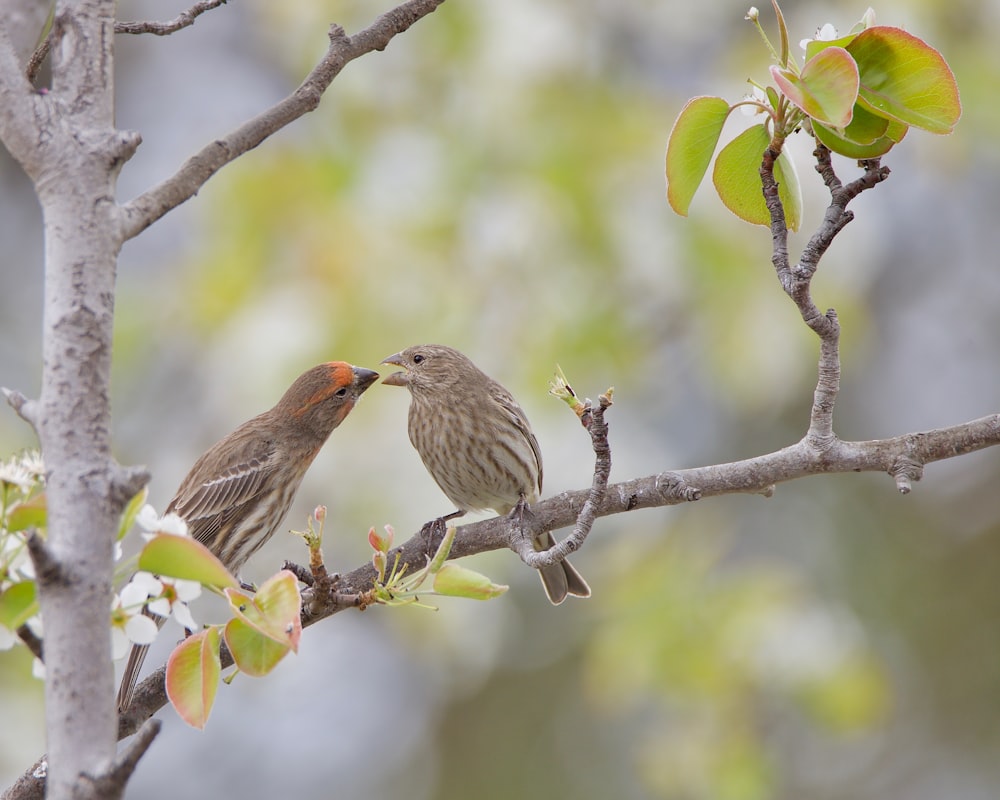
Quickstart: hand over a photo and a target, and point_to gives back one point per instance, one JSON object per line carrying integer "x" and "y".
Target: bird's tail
{"x": 131, "y": 674}
{"x": 560, "y": 580}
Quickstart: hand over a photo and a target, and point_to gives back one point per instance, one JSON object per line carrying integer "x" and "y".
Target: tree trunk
{"x": 74, "y": 160}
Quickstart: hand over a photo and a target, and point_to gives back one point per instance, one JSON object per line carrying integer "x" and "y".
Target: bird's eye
{"x": 342, "y": 392}
{"x": 418, "y": 358}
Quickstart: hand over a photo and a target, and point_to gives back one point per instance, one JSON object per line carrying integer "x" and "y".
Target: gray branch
{"x": 144, "y": 210}
{"x": 183, "y": 20}
{"x": 757, "y": 475}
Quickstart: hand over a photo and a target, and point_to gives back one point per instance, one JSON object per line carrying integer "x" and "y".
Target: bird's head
{"x": 429, "y": 367}
{"x": 323, "y": 396}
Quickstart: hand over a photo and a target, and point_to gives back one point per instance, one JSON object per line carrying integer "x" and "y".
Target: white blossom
{"x": 148, "y": 520}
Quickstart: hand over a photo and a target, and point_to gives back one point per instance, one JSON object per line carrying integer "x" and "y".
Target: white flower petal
{"x": 183, "y": 615}
{"x": 119, "y": 643}
{"x": 147, "y": 518}
{"x": 160, "y": 607}
{"x": 7, "y": 638}
{"x": 141, "y": 629}
{"x": 171, "y": 523}
{"x": 187, "y": 590}
{"x": 149, "y": 582}
{"x": 38, "y": 669}
{"x": 133, "y": 596}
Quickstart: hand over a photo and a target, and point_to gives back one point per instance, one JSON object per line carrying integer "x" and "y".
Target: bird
{"x": 240, "y": 489}
{"x": 477, "y": 444}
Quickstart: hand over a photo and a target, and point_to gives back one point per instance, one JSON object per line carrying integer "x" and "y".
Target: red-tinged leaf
{"x": 904, "y": 78}
{"x": 254, "y": 653}
{"x": 29, "y": 514}
{"x": 192, "y": 679}
{"x": 827, "y": 87}
{"x": 274, "y": 611}
{"x": 183, "y": 557}
{"x": 737, "y": 180}
{"x": 378, "y": 542}
{"x": 18, "y": 604}
{"x": 692, "y": 142}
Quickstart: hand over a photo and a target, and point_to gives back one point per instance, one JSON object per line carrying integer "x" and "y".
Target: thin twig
{"x": 797, "y": 280}
{"x": 32, "y": 641}
{"x": 185, "y": 19}
{"x": 598, "y": 429}
{"x": 144, "y": 210}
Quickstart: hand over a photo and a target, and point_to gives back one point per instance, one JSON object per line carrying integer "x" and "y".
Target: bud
{"x": 458, "y": 581}
{"x": 379, "y": 543}
{"x": 753, "y": 14}
{"x": 319, "y": 514}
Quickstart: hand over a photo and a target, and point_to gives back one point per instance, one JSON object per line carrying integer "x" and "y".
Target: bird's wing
{"x": 519, "y": 419}
{"x": 204, "y": 497}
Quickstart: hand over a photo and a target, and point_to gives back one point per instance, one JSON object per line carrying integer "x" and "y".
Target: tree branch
{"x": 143, "y": 211}
{"x": 906, "y": 453}
{"x": 185, "y": 19}
{"x": 158, "y": 28}
{"x": 593, "y": 420}
{"x": 796, "y": 281}
{"x": 18, "y": 124}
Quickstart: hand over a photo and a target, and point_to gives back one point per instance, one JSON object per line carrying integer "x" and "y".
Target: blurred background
{"x": 494, "y": 181}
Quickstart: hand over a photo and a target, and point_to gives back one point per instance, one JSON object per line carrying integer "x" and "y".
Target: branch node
{"x": 672, "y": 486}
{"x": 126, "y": 483}
{"x": 906, "y": 471}
{"x": 338, "y": 36}
{"x": 26, "y": 409}
{"x": 32, "y": 641}
{"x": 48, "y": 571}
{"x": 112, "y": 782}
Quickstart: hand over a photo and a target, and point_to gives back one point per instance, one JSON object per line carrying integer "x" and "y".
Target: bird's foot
{"x": 433, "y": 532}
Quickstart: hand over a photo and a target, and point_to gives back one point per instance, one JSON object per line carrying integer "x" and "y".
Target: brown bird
{"x": 238, "y": 492}
{"x": 477, "y": 444}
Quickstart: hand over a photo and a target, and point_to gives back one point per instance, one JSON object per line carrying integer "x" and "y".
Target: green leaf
{"x": 814, "y": 46}
{"x": 192, "y": 678}
{"x": 254, "y": 653}
{"x": 782, "y": 33}
{"x": 131, "y": 512}
{"x": 865, "y": 127}
{"x": 458, "y": 581}
{"x": 851, "y": 149}
{"x": 737, "y": 179}
{"x": 904, "y": 78}
{"x": 690, "y": 147}
{"x": 29, "y": 514}
{"x": 827, "y": 87}
{"x": 18, "y": 604}
{"x": 183, "y": 557}
{"x": 274, "y": 611}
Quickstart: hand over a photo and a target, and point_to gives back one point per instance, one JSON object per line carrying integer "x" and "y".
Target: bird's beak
{"x": 396, "y": 378}
{"x": 364, "y": 378}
